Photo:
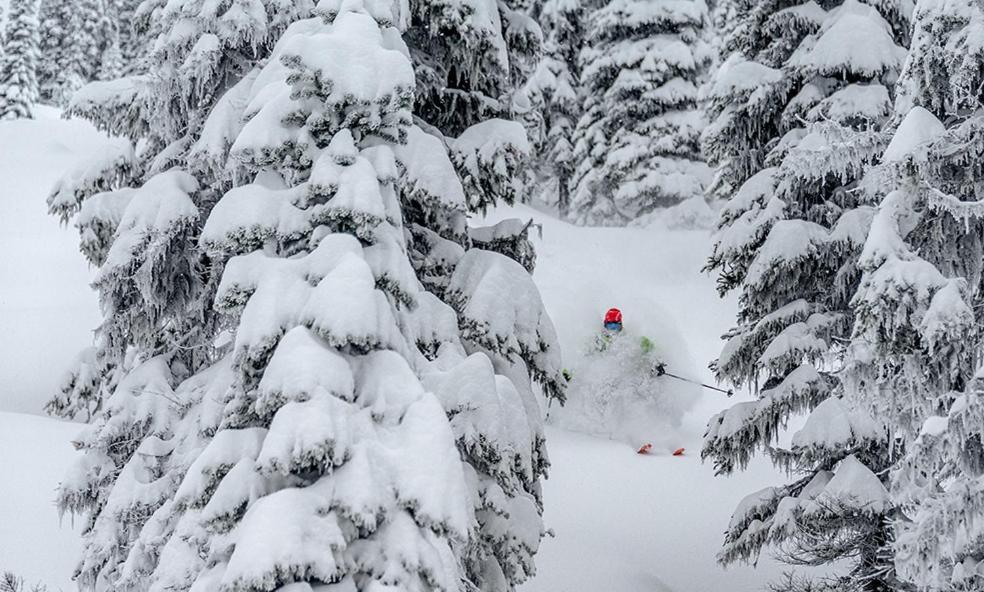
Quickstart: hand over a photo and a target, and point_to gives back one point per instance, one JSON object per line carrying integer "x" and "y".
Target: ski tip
{"x": 678, "y": 452}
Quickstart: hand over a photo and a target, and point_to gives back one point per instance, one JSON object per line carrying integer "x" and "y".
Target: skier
{"x": 613, "y": 327}
{"x": 612, "y": 324}
{"x": 621, "y": 391}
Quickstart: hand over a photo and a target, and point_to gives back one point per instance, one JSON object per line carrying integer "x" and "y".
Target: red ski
{"x": 647, "y": 448}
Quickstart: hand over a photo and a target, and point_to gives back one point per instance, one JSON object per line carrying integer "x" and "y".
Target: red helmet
{"x": 613, "y": 315}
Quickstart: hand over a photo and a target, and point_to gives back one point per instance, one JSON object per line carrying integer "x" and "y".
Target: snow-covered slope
{"x": 625, "y": 522}
{"x": 47, "y": 312}
{"x": 622, "y": 522}
{"x": 34, "y": 543}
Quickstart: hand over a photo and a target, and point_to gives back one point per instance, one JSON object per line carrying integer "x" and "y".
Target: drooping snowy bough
{"x": 318, "y": 383}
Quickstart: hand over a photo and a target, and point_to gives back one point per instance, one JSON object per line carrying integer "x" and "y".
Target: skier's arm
{"x": 658, "y": 367}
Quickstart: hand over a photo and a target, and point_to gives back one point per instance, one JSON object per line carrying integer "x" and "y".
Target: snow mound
{"x": 917, "y": 130}
{"x": 738, "y": 75}
{"x": 831, "y": 425}
{"x": 854, "y": 486}
{"x": 855, "y": 40}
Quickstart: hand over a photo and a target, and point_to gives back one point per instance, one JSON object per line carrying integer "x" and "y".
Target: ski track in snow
{"x": 622, "y": 522}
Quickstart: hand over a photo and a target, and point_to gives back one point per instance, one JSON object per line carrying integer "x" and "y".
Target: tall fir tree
{"x": 18, "y": 61}
{"x": 554, "y": 91}
{"x": 54, "y": 51}
{"x": 725, "y": 18}
{"x": 131, "y": 34}
{"x": 300, "y": 339}
{"x": 796, "y": 112}
{"x": 84, "y": 41}
{"x": 637, "y": 143}
{"x": 87, "y": 35}
{"x": 70, "y": 47}
{"x": 917, "y": 345}
{"x": 112, "y": 64}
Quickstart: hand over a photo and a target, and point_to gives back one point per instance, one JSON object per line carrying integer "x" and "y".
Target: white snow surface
{"x": 832, "y": 425}
{"x": 34, "y": 542}
{"x": 917, "y": 130}
{"x": 856, "y": 486}
{"x": 855, "y": 39}
{"x": 622, "y": 522}
{"x": 46, "y": 312}
{"x": 739, "y": 75}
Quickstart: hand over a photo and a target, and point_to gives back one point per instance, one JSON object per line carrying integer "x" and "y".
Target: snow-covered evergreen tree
{"x": 637, "y": 143}
{"x": 917, "y": 344}
{"x": 18, "y": 61}
{"x": 111, "y": 61}
{"x": 84, "y": 41}
{"x": 725, "y": 18}
{"x": 129, "y": 30}
{"x": 555, "y": 93}
{"x": 53, "y": 60}
{"x": 71, "y": 41}
{"x": 326, "y": 384}
{"x": 796, "y": 113}
{"x": 87, "y": 35}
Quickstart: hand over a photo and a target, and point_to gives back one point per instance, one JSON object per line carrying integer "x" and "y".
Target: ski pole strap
{"x": 728, "y": 392}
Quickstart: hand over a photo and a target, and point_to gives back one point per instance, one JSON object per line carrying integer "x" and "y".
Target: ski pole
{"x": 728, "y": 392}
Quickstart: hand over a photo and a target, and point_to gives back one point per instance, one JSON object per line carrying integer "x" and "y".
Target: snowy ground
{"x": 46, "y": 312}
{"x": 622, "y": 522}
{"x": 34, "y": 543}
